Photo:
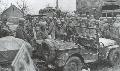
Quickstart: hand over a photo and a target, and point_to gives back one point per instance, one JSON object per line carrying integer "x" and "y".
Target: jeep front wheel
{"x": 73, "y": 64}
{"x": 114, "y": 57}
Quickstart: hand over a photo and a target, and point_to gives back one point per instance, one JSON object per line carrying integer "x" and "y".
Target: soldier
{"x": 41, "y": 32}
{"x": 29, "y": 30}
{"x": 59, "y": 31}
{"x": 20, "y": 32}
{"x": 69, "y": 30}
{"x": 63, "y": 29}
{"x": 52, "y": 28}
{"x": 4, "y": 29}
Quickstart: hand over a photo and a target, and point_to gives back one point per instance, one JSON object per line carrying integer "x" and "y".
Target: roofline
{"x": 9, "y": 7}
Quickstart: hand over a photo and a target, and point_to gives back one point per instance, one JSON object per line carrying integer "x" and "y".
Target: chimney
{"x": 11, "y": 4}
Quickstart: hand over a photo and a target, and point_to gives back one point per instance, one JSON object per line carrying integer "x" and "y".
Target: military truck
{"x": 15, "y": 55}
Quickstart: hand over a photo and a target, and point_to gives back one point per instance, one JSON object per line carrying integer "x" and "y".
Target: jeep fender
{"x": 62, "y": 59}
{"x": 111, "y": 48}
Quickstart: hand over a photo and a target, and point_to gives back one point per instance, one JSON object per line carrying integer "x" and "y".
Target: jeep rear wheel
{"x": 114, "y": 57}
{"x": 73, "y": 64}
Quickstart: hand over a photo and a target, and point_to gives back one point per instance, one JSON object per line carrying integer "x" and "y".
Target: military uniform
{"x": 20, "y": 32}
{"x": 41, "y": 32}
{"x": 4, "y": 29}
{"x": 52, "y": 30}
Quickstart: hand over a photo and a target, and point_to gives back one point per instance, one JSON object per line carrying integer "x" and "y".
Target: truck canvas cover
{"x": 10, "y": 47}
{"x": 23, "y": 61}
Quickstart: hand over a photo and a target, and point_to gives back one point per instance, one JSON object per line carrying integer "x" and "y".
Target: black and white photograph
{"x": 59, "y": 35}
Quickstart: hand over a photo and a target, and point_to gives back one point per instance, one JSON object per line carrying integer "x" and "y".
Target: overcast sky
{"x": 35, "y": 5}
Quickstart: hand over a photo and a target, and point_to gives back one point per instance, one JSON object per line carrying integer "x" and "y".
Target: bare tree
{"x": 99, "y": 3}
{"x": 3, "y": 5}
{"x": 23, "y": 6}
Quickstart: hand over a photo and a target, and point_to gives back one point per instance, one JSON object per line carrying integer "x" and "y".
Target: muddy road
{"x": 103, "y": 66}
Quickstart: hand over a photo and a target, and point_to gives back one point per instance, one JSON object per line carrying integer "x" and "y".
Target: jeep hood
{"x": 106, "y": 42}
{"x": 60, "y": 45}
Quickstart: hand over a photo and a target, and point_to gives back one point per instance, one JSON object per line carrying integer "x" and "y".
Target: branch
{"x": 18, "y": 5}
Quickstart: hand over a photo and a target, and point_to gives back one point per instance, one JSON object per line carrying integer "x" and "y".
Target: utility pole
{"x": 57, "y": 6}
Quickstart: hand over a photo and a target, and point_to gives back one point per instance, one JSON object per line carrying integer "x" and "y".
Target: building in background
{"x": 110, "y": 9}
{"x": 89, "y": 7}
{"x": 94, "y": 7}
{"x": 12, "y": 13}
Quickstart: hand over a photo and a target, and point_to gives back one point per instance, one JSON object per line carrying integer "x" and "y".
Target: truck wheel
{"x": 73, "y": 64}
{"x": 114, "y": 57}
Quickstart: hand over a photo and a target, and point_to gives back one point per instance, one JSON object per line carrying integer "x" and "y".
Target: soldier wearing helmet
{"x": 20, "y": 31}
{"x": 41, "y": 32}
{"x": 4, "y": 28}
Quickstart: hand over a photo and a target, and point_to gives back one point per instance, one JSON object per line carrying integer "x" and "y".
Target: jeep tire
{"x": 73, "y": 64}
{"x": 114, "y": 57}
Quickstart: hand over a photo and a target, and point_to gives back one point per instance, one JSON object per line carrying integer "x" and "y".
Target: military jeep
{"x": 68, "y": 56}
{"x": 59, "y": 55}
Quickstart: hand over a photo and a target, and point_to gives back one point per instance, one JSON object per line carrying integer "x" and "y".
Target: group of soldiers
{"x": 40, "y": 28}
{"x": 43, "y": 27}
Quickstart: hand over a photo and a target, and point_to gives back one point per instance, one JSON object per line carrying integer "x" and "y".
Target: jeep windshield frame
{"x": 87, "y": 29}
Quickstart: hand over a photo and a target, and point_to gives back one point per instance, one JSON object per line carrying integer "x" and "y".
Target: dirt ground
{"x": 103, "y": 66}
{"x": 98, "y": 66}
